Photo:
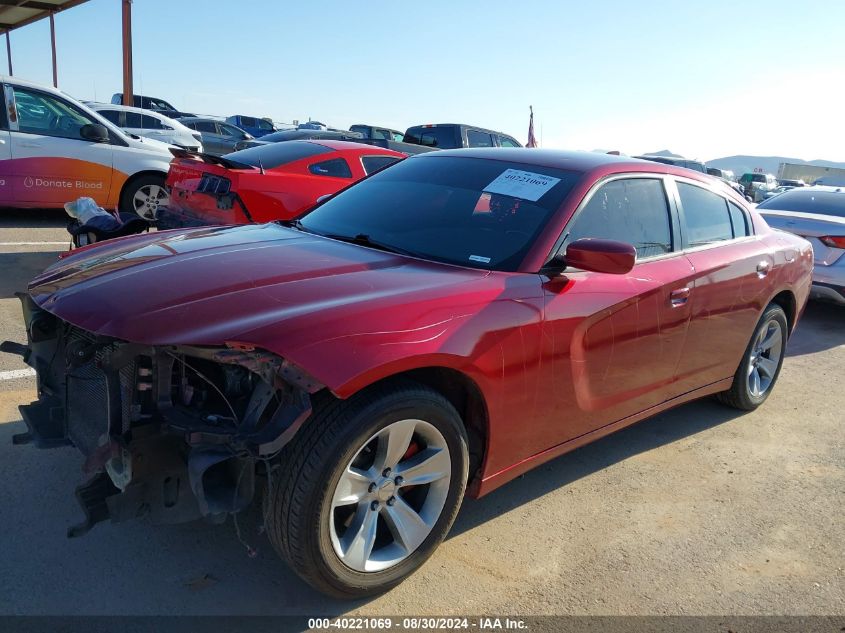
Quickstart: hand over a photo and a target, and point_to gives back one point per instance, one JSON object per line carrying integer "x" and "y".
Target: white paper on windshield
{"x": 525, "y": 185}
{"x": 479, "y": 258}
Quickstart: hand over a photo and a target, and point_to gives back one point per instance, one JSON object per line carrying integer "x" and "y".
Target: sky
{"x": 704, "y": 80}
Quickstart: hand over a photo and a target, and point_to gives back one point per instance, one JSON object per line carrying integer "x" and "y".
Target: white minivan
{"x": 53, "y": 150}
{"x": 150, "y": 124}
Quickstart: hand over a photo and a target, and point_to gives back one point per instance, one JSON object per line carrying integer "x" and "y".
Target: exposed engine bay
{"x": 173, "y": 433}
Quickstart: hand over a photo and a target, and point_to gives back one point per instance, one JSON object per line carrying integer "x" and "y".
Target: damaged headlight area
{"x": 173, "y": 433}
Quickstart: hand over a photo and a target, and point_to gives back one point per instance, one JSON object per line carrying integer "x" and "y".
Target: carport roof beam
{"x": 17, "y": 13}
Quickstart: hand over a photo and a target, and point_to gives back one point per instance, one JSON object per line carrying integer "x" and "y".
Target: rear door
{"x": 51, "y": 162}
{"x": 617, "y": 339}
{"x": 730, "y": 286}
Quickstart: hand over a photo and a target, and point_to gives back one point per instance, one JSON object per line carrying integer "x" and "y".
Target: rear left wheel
{"x": 368, "y": 489}
{"x": 761, "y": 363}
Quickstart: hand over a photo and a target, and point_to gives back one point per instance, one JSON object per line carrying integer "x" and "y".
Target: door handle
{"x": 679, "y": 297}
{"x": 763, "y": 268}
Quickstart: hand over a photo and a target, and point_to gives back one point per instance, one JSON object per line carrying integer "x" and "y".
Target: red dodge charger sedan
{"x": 277, "y": 181}
{"x": 438, "y": 328}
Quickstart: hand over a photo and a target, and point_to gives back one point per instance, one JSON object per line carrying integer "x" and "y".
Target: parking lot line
{"x": 14, "y": 374}
{"x": 64, "y": 243}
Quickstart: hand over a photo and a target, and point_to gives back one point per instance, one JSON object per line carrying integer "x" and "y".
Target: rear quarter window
{"x": 334, "y": 168}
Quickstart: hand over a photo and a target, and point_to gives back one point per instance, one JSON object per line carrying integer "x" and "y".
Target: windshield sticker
{"x": 525, "y": 185}
{"x": 479, "y": 258}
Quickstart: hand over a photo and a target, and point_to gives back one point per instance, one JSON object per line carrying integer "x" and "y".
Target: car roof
{"x": 116, "y": 106}
{"x": 202, "y": 118}
{"x": 34, "y": 84}
{"x": 562, "y": 159}
{"x": 349, "y": 145}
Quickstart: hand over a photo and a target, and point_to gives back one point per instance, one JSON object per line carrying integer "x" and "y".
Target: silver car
{"x": 218, "y": 137}
{"x": 818, "y": 214}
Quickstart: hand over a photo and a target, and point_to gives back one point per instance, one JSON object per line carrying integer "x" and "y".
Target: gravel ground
{"x": 699, "y": 510}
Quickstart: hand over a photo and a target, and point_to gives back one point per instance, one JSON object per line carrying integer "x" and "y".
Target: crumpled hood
{"x": 247, "y": 284}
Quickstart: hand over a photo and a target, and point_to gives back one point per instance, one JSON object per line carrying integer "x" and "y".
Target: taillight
{"x": 833, "y": 241}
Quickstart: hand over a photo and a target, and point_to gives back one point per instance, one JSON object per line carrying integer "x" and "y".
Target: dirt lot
{"x": 697, "y": 511}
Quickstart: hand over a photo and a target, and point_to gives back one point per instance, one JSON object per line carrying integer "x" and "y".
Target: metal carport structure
{"x": 17, "y": 13}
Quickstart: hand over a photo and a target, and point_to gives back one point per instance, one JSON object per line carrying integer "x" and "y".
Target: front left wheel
{"x": 368, "y": 489}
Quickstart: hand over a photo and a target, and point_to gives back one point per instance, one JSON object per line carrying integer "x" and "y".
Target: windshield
{"x": 465, "y": 211}
{"x": 804, "y": 201}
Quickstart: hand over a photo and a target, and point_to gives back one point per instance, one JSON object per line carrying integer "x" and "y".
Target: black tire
{"x": 740, "y": 395}
{"x": 299, "y": 503}
{"x": 127, "y": 198}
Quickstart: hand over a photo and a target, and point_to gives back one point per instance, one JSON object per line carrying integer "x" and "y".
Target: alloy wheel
{"x": 390, "y": 495}
{"x": 148, "y": 199}
{"x": 765, "y": 358}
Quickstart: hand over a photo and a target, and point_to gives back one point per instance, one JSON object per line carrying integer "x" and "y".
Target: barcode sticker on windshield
{"x": 525, "y": 185}
{"x": 479, "y": 258}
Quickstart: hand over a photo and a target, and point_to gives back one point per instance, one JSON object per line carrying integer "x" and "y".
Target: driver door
{"x": 50, "y": 162}
{"x": 617, "y": 339}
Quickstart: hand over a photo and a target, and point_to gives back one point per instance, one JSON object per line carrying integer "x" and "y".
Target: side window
{"x": 479, "y": 139}
{"x": 374, "y": 163}
{"x": 228, "y": 130}
{"x": 397, "y": 136}
{"x": 41, "y": 113}
{"x": 632, "y": 210}
{"x": 205, "y": 126}
{"x": 738, "y": 221}
{"x": 507, "y": 141}
{"x": 113, "y": 116}
{"x": 248, "y": 121}
{"x": 706, "y": 215}
{"x": 133, "y": 119}
{"x": 265, "y": 125}
{"x": 336, "y": 168}
{"x": 152, "y": 123}
{"x": 381, "y": 134}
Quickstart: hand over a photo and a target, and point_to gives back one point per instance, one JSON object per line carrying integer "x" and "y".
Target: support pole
{"x": 9, "y": 52}
{"x": 53, "y": 44}
{"x": 127, "y": 53}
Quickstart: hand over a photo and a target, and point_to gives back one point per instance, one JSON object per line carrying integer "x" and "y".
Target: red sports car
{"x": 277, "y": 181}
{"x": 444, "y": 325}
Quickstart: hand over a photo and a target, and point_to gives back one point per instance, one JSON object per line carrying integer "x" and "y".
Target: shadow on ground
{"x": 821, "y": 327}
{"x": 201, "y": 568}
{"x": 649, "y": 434}
{"x": 19, "y": 268}
{"x": 32, "y": 218}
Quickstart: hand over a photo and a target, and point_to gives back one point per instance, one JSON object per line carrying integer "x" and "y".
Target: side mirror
{"x": 601, "y": 256}
{"x": 94, "y": 132}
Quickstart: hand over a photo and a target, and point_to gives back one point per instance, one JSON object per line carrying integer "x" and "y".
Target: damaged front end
{"x": 174, "y": 433}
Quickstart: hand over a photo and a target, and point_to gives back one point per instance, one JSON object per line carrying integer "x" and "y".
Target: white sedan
{"x": 150, "y": 124}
